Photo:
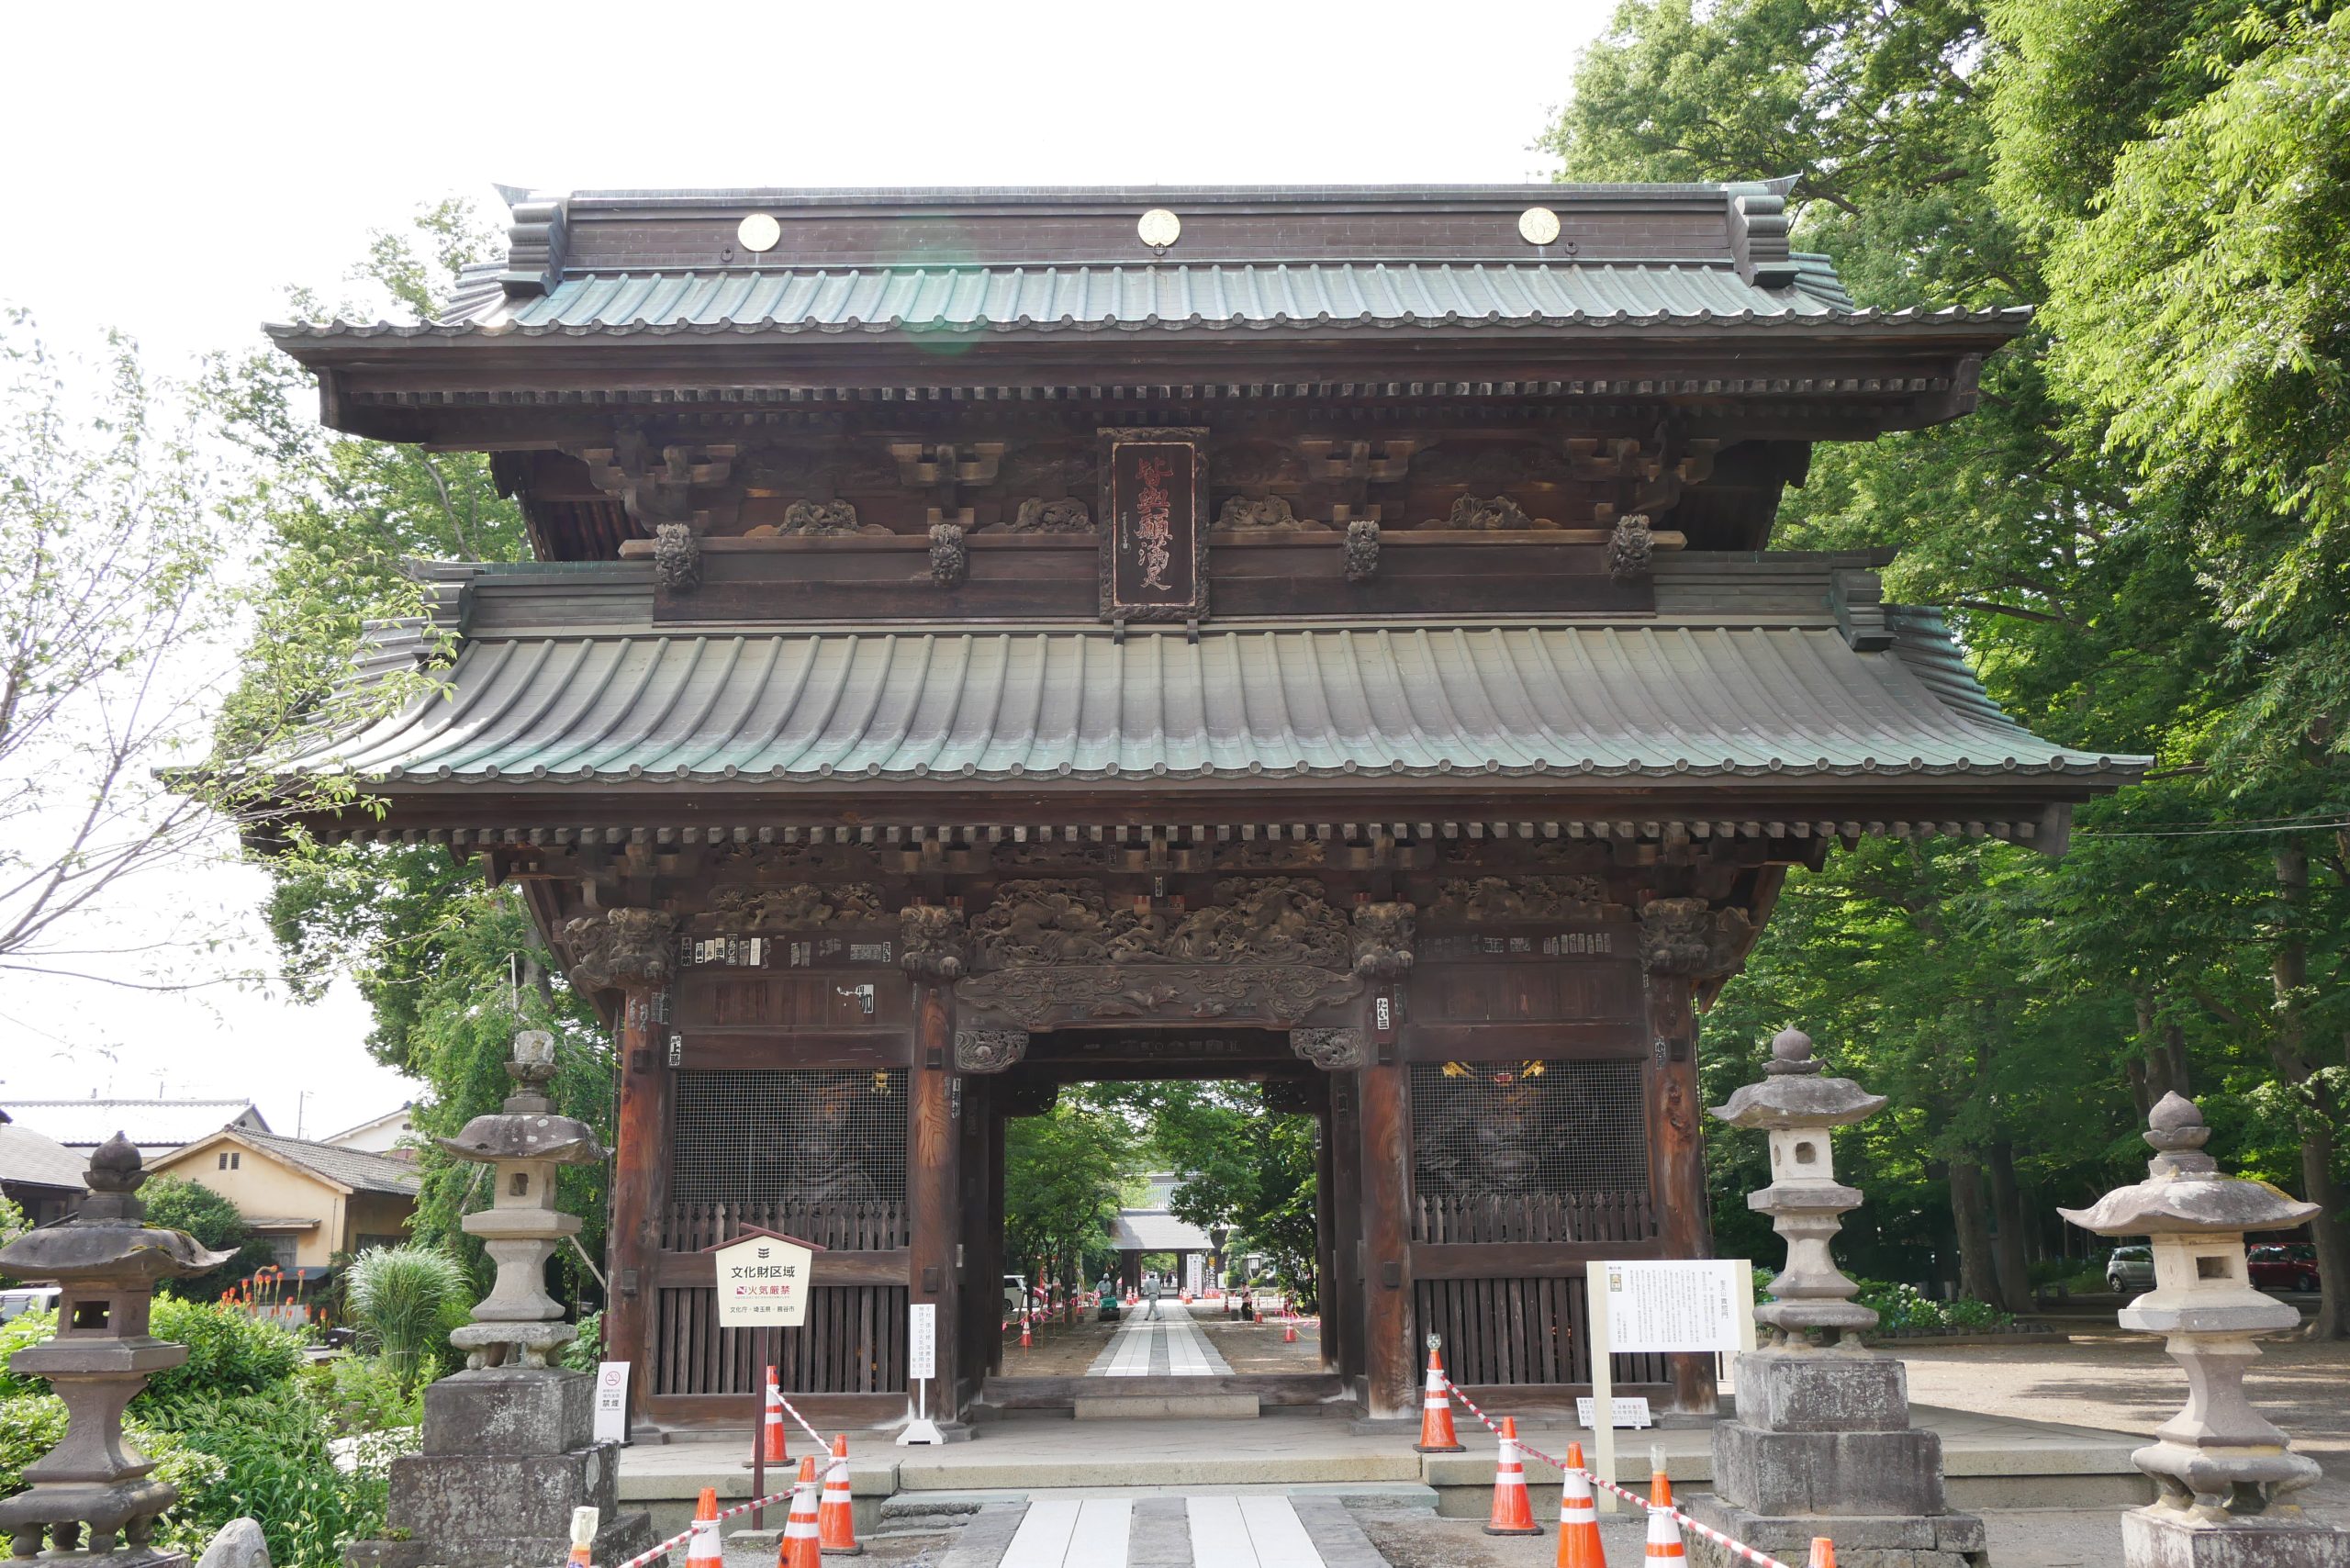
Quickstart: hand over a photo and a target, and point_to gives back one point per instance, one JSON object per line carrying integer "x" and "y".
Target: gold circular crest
{"x": 1538, "y": 226}
{"x": 758, "y": 232}
{"x": 1158, "y": 228}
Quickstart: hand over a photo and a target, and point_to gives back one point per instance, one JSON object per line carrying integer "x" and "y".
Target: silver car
{"x": 2129, "y": 1271}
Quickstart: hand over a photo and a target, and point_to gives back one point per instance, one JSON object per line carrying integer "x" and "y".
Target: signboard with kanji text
{"x": 762, "y": 1282}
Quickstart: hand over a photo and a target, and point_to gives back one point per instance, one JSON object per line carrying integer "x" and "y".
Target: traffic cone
{"x": 835, "y": 1519}
{"x": 1436, "y": 1410}
{"x": 1664, "y": 1532}
{"x": 802, "y": 1547}
{"x": 775, "y": 1434}
{"x": 1823, "y": 1553}
{"x": 1289, "y": 1329}
{"x": 1512, "y": 1510}
{"x": 703, "y": 1551}
{"x": 1027, "y": 1339}
{"x": 583, "y": 1536}
{"x": 1579, "y": 1543}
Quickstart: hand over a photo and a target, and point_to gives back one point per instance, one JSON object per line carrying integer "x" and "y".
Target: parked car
{"x": 2130, "y": 1270}
{"x": 31, "y": 1298}
{"x": 1016, "y": 1295}
{"x": 2285, "y": 1267}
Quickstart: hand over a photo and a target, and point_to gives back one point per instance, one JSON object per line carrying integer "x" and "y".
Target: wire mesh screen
{"x": 1529, "y": 1151}
{"x": 821, "y": 1155}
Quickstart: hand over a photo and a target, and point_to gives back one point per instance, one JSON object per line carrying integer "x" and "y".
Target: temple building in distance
{"x": 986, "y": 640}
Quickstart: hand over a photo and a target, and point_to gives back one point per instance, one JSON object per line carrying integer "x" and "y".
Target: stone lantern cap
{"x": 108, "y": 1242}
{"x": 2183, "y": 1193}
{"x": 1793, "y": 1092}
{"x": 509, "y": 1136}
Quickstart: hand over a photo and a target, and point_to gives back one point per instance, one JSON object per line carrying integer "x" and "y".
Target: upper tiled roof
{"x": 32, "y": 1157}
{"x": 1028, "y": 262}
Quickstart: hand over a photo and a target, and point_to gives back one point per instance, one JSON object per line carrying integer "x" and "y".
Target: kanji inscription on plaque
{"x": 1154, "y": 539}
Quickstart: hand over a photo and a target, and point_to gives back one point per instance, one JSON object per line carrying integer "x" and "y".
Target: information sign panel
{"x": 1677, "y": 1304}
{"x": 762, "y": 1282}
{"x": 922, "y": 1339}
{"x": 611, "y": 1402}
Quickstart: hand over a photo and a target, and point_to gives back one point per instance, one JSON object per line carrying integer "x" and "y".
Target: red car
{"x": 2283, "y": 1267}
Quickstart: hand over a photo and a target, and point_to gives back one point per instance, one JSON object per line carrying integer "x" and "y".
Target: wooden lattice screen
{"x": 1519, "y": 1331}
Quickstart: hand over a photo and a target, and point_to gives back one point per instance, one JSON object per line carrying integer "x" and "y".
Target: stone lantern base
{"x": 2165, "y": 1537}
{"x": 508, "y": 1453}
{"x": 1822, "y": 1445}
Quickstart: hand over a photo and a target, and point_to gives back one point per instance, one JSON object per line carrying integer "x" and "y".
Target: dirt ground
{"x": 1258, "y": 1346}
{"x": 1060, "y": 1350}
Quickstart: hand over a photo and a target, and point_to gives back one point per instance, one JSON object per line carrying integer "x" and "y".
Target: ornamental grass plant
{"x": 406, "y": 1300}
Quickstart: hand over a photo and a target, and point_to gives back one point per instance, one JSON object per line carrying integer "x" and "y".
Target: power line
{"x": 2222, "y": 832}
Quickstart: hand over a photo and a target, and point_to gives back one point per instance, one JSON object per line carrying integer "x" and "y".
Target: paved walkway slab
{"x": 1170, "y": 1345}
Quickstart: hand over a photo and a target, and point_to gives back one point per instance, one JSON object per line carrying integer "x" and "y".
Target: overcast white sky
{"x": 177, "y": 167}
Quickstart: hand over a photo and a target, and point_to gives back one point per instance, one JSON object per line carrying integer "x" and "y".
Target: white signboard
{"x": 1194, "y": 1271}
{"x": 1632, "y": 1413}
{"x": 1682, "y": 1304}
{"x": 762, "y": 1284}
{"x": 922, "y": 1339}
{"x": 611, "y": 1402}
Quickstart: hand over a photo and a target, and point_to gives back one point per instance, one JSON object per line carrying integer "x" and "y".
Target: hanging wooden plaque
{"x": 1155, "y": 524}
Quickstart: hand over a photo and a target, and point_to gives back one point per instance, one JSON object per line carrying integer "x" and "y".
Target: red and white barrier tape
{"x": 1752, "y": 1554}
{"x": 675, "y": 1542}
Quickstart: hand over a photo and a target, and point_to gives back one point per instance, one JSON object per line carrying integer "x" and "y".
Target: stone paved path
{"x": 1205, "y": 1530}
{"x": 1169, "y": 1346}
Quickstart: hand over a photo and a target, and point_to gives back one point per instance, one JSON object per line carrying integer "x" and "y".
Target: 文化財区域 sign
{"x": 762, "y": 1282}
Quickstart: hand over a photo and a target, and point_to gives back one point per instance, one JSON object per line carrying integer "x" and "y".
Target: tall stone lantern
{"x": 2223, "y": 1471}
{"x": 1822, "y": 1444}
{"x": 509, "y": 1449}
{"x": 105, "y": 1262}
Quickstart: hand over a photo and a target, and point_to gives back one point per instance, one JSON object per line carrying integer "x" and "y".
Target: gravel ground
{"x": 1258, "y": 1347}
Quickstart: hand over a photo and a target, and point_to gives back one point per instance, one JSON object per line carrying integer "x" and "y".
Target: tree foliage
{"x": 2138, "y": 532}
{"x": 176, "y": 1204}
{"x": 1063, "y": 1174}
{"x": 1244, "y": 1167}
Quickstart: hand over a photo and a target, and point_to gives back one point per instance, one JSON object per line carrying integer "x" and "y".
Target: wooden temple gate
{"x": 1320, "y": 635}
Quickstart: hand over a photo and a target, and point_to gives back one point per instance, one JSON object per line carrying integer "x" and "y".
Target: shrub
{"x": 275, "y": 1464}
{"x": 26, "y": 1328}
{"x": 583, "y": 1354}
{"x": 1905, "y": 1308}
{"x": 229, "y": 1352}
{"x": 361, "y": 1393}
{"x": 404, "y": 1298}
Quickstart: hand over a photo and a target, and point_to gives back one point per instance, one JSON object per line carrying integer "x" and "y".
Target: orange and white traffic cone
{"x": 1823, "y": 1553}
{"x": 835, "y": 1518}
{"x": 1579, "y": 1543}
{"x": 1027, "y": 1338}
{"x": 703, "y": 1551}
{"x": 1289, "y": 1329}
{"x": 583, "y": 1535}
{"x": 774, "y": 1433}
{"x": 1513, "y": 1509}
{"x": 1664, "y": 1532}
{"x": 1436, "y": 1435}
{"x": 802, "y": 1547}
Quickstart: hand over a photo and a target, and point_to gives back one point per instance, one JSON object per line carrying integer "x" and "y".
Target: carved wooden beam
{"x": 621, "y": 948}
{"x": 988, "y": 1050}
{"x": 1332, "y": 1050}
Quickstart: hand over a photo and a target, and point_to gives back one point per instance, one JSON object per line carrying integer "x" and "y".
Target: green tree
{"x": 176, "y": 1204}
{"x": 2116, "y": 594}
{"x": 1063, "y": 1174}
{"x": 1244, "y": 1167}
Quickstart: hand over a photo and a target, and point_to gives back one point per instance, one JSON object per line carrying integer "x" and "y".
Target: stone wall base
{"x": 2160, "y": 1537}
{"x": 1931, "y": 1540}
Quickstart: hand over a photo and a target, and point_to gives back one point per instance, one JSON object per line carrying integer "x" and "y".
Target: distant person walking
{"x": 1151, "y": 1295}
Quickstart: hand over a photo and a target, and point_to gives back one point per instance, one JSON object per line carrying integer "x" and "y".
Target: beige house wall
{"x": 264, "y": 1188}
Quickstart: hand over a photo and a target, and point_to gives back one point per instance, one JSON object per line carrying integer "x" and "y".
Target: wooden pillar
{"x": 1680, "y": 1158}
{"x": 1389, "y": 1366}
{"x": 628, "y": 950}
{"x": 1343, "y": 1311}
{"x": 1325, "y": 1232}
{"x": 934, "y": 1144}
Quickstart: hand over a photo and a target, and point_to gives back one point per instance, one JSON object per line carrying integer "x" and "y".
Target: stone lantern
{"x": 105, "y": 1262}
{"x": 2223, "y": 1469}
{"x": 524, "y": 1145}
{"x": 1822, "y": 1444}
{"x": 510, "y": 1447}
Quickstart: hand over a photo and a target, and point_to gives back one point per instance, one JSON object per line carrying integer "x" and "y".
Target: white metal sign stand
{"x": 1681, "y": 1304}
{"x": 922, "y": 1365}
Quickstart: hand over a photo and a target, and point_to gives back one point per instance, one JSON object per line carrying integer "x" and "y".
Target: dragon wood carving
{"x": 934, "y": 941}
{"x": 620, "y": 946}
{"x": 1383, "y": 940}
{"x": 1494, "y": 900}
{"x": 1276, "y": 920}
{"x": 1278, "y": 995}
{"x": 801, "y": 903}
{"x": 1689, "y": 936}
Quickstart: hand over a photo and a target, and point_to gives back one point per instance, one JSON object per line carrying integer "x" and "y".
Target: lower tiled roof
{"x": 1601, "y": 701}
